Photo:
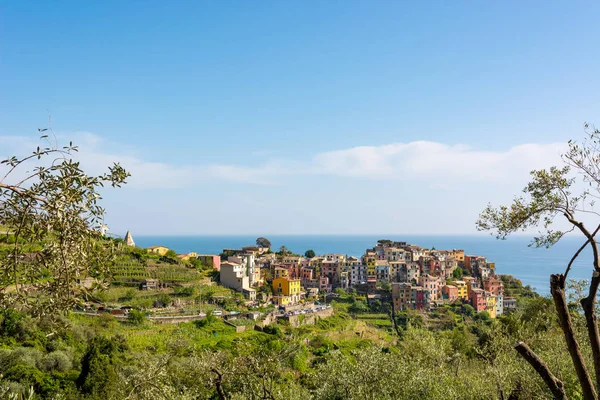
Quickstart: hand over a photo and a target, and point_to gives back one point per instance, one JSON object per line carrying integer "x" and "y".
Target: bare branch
{"x": 554, "y": 384}
{"x": 578, "y": 252}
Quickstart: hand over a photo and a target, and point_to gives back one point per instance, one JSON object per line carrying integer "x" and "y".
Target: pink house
{"x": 306, "y": 273}
{"x": 324, "y": 284}
{"x": 430, "y": 284}
{"x": 450, "y": 292}
{"x": 293, "y": 267}
{"x": 494, "y": 286}
{"x": 330, "y": 270}
{"x": 477, "y": 298}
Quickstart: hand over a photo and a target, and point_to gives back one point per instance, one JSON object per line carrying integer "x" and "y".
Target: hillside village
{"x": 417, "y": 278}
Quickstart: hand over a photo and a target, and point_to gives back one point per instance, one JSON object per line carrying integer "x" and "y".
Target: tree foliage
{"x": 284, "y": 252}
{"x": 263, "y": 242}
{"x": 136, "y": 317}
{"x": 309, "y": 254}
{"x": 553, "y": 194}
{"x": 50, "y": 207}
{"x": 457, "y": 273}
{"x": 99, "y": 365}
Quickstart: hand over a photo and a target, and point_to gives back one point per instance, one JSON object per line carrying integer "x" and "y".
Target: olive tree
{"x": 52, "y": 219}
{"x": 565, "y": 193}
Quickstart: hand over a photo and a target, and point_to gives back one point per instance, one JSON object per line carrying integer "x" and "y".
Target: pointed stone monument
{"x": 129, "y": 240}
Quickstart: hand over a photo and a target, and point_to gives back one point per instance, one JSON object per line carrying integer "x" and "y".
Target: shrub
{"x": 208, "y": 320}
{"x": 136, "y": 317}
{"x": 55, "y": 361}
{"x": 483, "y": 317}
{"x": 25, "y": 356}
{"x": 31, "y": 377}
{"x": 98, "y": 372}
{"x": 272, "y": 330}
{"x": 468, "y": 310}
{"x": 163, "y": 300}
{"x": 186, "y": 291}
{"x": 129, "y": 295}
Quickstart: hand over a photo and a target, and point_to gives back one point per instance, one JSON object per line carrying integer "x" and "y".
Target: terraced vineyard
{"x": 380, "y": 321}
{"x": 173, "y": 274}
{"x": 129, "y": 270}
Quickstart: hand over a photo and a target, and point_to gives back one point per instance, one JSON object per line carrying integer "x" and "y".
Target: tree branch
{"x": 219, "y": 384}
{"x": 554, "y": 384}
{"x": 578, "y": 252}
{"x": 22, "y": 193}
{"x": 557, "y": 289}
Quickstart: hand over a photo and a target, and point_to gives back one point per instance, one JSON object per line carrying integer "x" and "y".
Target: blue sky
{"x": 302, "y": 117}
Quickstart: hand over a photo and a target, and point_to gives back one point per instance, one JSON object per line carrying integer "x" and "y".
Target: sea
{"x": 512, "y": 256}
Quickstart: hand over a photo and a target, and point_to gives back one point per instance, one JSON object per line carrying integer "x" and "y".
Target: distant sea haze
{"x": 532, "y": 266}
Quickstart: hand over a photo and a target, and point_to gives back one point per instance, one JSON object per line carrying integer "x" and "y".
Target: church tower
{"x": 129, "y": 240}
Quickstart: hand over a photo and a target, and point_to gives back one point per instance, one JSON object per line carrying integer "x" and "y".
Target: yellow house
{"x": 286, "y": 291}
{"x": 282, "y": 300}
{"x": 316, "y": 263}
{"x": 160, "y": 250}
{"x": 459, "y": 255}
{"x": 185, "y": 257}
{"x": 490, "y": 305}
{"x": 462, "y": 289}
{"x": 371, "y": 261}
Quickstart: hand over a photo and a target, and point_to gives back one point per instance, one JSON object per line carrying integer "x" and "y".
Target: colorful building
{"x": 331, "y": 270}
{"x": 159, "y": 250}
{"x": 477, "y": 299}
{"x": 410, "y": 272}
{"x": 234, "y": 276}
{"x": 419, "y": 298}
{"x": 499, "y": 305}
{"x": 431, "y": 285}
{"x": 450, "y": 293}
{"x": 509, "y": 303}
{"x": 471, "y": 282}
{"x": 281, "y": 272}
{"x": 493, "y": 285}
{"x": 458, "y": 255}
{"x": 401, "y": 296}
{"x": 286, "y": 291}
{"x": 382, "y": 271}
{"x": 370, "y": 260}
{"x": 186, "y": 257}
{"x": 490, "y": 304}
{"x": 463, "y": 292}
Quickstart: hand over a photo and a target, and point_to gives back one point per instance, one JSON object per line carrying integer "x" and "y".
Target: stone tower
{"x": 129, "y": 240}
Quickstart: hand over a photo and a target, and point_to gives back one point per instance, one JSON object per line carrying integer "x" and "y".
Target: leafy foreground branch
{"x": 52, "y": 222}
{"x": 548, "y": 198}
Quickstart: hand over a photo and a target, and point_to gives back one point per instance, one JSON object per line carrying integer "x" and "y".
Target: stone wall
{"x": 175, "y": 319}
{"x": 269, "y": 319}
{"x": 308, "y": 319}
{"x": 238, "y": 328}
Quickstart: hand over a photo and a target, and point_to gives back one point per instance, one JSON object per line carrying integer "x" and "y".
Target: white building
{"x": 233, "y": 275}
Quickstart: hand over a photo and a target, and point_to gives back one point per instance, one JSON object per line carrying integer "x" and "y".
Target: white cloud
{"x": 431, "y": 162}
{"x": 437, "y": 162}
